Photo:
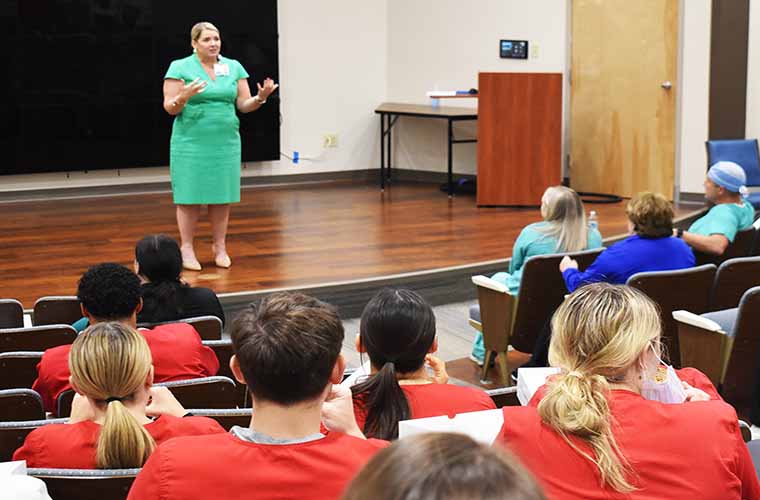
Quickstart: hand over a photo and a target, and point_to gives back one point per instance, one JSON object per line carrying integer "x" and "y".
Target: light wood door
{"x": 623, "y": 96}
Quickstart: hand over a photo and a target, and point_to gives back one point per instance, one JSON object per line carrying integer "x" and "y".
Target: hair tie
{"x": 113, "y": 398}
{"x": 575, "y": 373}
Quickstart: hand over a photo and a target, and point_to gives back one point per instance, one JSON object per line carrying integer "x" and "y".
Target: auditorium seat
{"x": 86, "y": 484}
{"x": 226, "y": 417}
{"x": 208, "y": 327}
{"x": 742, "y": 152}
{"x": 742, "y": 246}
{"x": 56, "y": 309}
{"x": 11, "y": 314}
{"x": 18, "y": 370}
{"x": 205, "y": 392}
{"x": 734, "y": 277}
{"x": 223, "y": 351}
{"x": 36, "y": 338}
{"x": 728, "y": 358}
{"x": 507, "y": 321}
{"x": 13, "y": 434}
{"x": 687, "y": 289}
{"x": 20, "y": 404}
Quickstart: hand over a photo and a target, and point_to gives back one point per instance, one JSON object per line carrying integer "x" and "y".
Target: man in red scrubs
{"x": 111, "y": 292}
{"x": 287, "y": 349}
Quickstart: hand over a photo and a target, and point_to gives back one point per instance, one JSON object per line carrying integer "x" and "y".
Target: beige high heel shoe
{"x": 221, "y": 259}
{"x": 189, "y": 261}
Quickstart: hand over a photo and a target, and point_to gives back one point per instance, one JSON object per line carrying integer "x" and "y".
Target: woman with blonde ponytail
{"x": 110, "y": 425}
{"x": 590, "y": 434}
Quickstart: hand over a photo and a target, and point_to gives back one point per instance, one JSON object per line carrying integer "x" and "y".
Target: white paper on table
{"x": 530, "y": 379}
{"x": 482, "y": 426}
{"x": 441, "y": 93}
{"x": 16, "y": 485}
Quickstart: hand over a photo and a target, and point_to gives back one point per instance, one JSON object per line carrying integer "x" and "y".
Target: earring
{"x": 194, "y": 50}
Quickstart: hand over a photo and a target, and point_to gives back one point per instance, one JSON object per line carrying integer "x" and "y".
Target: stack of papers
{"x": 529, "y": 380}
{"x": 482, "y": 426}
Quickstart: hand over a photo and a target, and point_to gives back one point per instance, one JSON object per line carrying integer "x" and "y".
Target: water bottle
{"x": 593, "y": 220}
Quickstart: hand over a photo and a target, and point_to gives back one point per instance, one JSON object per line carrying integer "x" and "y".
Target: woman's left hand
{"x": 81, "y": 409}
{"x": 266, "y": 90}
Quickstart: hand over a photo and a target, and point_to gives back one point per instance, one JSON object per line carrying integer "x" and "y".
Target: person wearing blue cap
{"x": 724, "y": 186}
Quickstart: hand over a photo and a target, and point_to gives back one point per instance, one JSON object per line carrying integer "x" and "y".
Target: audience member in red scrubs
{"x": 287, "y": 349}
{"x": 110, "y": 292}
{"x": 110, "y": 425}
{"x": 445, "y": 467}
{"x": 397, "y": 331}
{"x": 602, "y": 429}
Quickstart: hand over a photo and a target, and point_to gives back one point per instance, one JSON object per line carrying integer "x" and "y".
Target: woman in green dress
{"x": 203, "y": 91}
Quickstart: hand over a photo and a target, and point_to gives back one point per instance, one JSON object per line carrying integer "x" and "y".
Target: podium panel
{"x": 519, "y": 137}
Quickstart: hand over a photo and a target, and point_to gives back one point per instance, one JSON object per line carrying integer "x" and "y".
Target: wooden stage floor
{"x": 279, "y": 236}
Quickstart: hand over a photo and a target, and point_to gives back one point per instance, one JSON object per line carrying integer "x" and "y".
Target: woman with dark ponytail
{"x": 397, "y": 331}
{"x": 111, "y": 424}
{"x": 158, "y": 262}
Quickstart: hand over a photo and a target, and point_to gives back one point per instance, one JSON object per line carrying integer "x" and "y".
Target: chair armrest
{"x": 697, "y": 321}
{"x": 486, "y": 282}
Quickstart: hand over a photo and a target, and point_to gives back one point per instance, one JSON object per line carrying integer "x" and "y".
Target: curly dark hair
{"x": 109, "y": 291}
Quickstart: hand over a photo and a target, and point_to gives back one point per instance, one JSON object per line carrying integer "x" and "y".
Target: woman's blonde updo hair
{"x": 562, "y": 209}
{"x": 598, "y": 333}
{"x": 197, "y": 29}
{"x": 110, "y": 363}
{"x": 651, "y": 215}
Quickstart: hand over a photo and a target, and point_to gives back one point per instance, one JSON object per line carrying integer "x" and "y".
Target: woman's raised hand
{"x": 191, "y": 89}
{"x": 267, "y": 89}
{"x": 440, "y": 376}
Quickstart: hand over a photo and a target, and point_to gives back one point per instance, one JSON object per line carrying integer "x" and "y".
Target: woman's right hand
{"x": 190, "y": 89}
{"x": 567, "y": 263}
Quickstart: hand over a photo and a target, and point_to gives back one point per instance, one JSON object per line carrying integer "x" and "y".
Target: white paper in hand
{"x": 16, "y": 485}
{"x": 530, "y": 379}
{"x": 482, "y": 426}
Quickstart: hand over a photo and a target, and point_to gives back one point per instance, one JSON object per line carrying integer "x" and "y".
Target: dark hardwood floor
{"x": 280, "y": 236}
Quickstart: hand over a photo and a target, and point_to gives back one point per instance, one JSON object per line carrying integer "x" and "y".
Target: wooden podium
{"x": 519, "y": 137}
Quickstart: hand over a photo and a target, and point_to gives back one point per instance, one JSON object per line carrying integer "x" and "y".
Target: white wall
{"x": 333, "y": 58}
{"x": 443, "y": 44}
{"x": 753, "y": 73}
{"x": 694, "y": 85}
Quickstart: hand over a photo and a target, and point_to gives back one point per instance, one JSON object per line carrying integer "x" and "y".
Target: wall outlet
{"x": 330, "y": 141}
{"x": 534, "y": 51}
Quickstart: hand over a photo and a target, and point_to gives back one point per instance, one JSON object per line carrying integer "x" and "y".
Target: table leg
{"x": 451, "y": 176}
{"x": 382, "y": 152}
{"x": 391, "y": 122}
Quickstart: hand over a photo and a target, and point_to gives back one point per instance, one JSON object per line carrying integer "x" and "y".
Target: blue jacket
{"x": 630, "y": 256}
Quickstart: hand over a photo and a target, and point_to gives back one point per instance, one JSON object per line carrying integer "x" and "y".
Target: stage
{"x": 341, "y": 235}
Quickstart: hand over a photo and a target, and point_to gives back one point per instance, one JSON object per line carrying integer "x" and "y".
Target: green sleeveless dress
{"x": 204, "y": 156}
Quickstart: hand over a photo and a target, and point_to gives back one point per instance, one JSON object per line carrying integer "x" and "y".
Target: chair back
{"x": 55, "y": 310}
{"x": 741, "y": 151}
{"x": 742, "y": 246}
{"x": 497, "y": 306}
{"x": 687, "y": 289}
{"x": 13, "y": 434}
{"x": 36, "y": 338}
{"x": 11, "y": 314}
{"x": 18, "y": 370}
{"x": 206, "y": 392}
{"x": 223, "y": 351}
{"x": 20, "y": 404}
{"x": 742, "y": 371}
{"x": 208, "y": 327}
{"x": 542, "y": 290}
{"x": 734, "y": 277}
{"x": 227, "y": 418}
{"x": 86, "y": 484}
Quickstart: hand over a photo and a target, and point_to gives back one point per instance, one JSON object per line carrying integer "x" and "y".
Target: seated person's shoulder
{"x": 191, "y": 424}
{"x": 179, "y": 330}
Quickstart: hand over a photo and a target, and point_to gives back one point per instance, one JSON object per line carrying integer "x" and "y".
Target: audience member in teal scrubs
{"x": 725, "y": 188}
{"x": 564, "y": 229}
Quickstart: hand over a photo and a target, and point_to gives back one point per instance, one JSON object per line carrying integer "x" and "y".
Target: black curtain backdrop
{"x": 83, "y": 90}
